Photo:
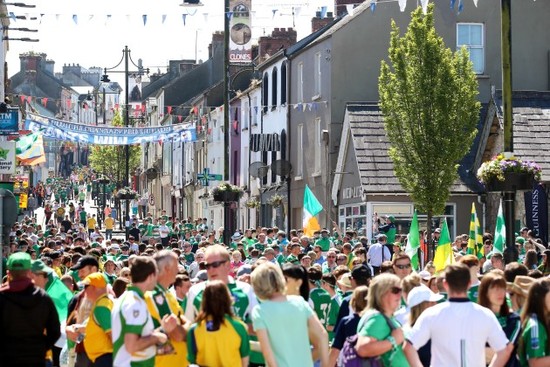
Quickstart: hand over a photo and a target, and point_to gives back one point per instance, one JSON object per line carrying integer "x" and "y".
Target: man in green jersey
{"x": 133, "y": 332}
{"x": 319, "y": 299}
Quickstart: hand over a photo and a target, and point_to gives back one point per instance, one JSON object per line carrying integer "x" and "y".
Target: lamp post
{"x": 105, "y": 79}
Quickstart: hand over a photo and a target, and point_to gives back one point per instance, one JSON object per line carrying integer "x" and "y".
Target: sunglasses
{"x": 396, "y": 290}
{"x": 331, "y": 257}
{"x": 215, "y": 264}
{"x": 403, "y": 267}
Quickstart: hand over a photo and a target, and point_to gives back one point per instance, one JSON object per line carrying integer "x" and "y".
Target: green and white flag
{"x": 413, "y": 243}
{"x": 500, "y": 232}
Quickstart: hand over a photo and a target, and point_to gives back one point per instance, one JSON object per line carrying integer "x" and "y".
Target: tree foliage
{"x": 428, "y": 98}
{"x": 111, "y": 160}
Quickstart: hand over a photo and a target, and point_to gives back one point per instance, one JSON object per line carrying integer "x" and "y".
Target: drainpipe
{"x": 249, "y": 155}
{"x": 289, "y": 140}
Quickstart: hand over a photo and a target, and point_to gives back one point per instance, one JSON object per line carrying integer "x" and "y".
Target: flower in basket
{"x": 225, "y": 189}
{"x": 126, "y": 192}
{"x": 276, "y": 200}
{"x": 252, "y": 203}
{"x": 505, "y": 163}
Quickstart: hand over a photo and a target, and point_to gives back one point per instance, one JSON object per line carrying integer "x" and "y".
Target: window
{"x": 300, "y": 151}
{"x": 255, "y": 111}
{"x": 300, "y": 82}
{"x": 318, "y": 147}
{"x": 317, "y": 76}
{"x": 246, "y": 113}
{"x": 283, "y": 84}
{"x": 471, "y": 36}
{"x": 265, "y": 92}
{"x": 274, "y": 88}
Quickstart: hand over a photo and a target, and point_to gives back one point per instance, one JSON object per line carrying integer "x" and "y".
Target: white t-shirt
{"x": 377, "y": 254}
{"x": 459, "y": 330}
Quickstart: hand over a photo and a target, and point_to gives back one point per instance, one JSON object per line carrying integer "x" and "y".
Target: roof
{"x": 531, "y": 127}
{"x": 370, "y": 143}
{"x": 298, "y": 46}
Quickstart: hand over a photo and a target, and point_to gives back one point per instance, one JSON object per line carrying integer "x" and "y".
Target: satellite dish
{"x": 258, "y": 169}
{"x": 281, "y": 167}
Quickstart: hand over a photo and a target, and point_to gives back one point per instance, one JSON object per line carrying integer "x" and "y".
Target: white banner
{"x": 7, "y": 157}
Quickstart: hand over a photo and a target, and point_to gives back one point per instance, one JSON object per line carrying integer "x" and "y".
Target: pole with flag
{"x": 312, "y": 207}
{"x": 500, "y": 231}
{"x": 444, "y": 252}
{"x": 413, "y": 243}
{"x": 475, "y": 240}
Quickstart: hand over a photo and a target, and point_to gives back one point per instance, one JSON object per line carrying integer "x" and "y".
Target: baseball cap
{"x": 425, "y": 275}
{"x": 360, "y": 272}
{"x": 96, "y": 280}
{"x": 420, "y": 294}
{"x": 85, "y": 261}
{"x": 38, "y": 266}
{"x": 520, "y": 239}
{"x": 19, "y": 261}
{"x": 201, "y": 276}
{"x": 245, "y": 269}
{"x": 437, "y": 230}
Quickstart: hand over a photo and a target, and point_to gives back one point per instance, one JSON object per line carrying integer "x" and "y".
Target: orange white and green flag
{"x": 312, "y": 207}
{"x": 444, "y": 252}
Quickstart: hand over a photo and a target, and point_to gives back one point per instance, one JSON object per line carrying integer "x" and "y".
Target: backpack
{"x": 348, "y": 356}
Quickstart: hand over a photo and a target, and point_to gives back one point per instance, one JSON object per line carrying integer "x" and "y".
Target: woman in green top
{"x": 544, "y": 267}
{"x": 376, "y": 337}
{"x": 534, "y": 347}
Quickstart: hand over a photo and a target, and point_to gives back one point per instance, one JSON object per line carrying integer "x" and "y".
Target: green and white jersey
{"x": 534, "y": 341}
{"x": 473, "y": 293}
{"x": 131, "y": 316}
{"x": 243, "y": 295}
{"x": 319, "y": 300}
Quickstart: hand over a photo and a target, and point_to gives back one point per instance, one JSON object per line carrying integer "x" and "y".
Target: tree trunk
{"x": 429, "y": 244}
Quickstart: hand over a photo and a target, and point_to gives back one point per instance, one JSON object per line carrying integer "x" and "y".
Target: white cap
{"x": 420, "y": 294}
{"x": 425, "y": 275}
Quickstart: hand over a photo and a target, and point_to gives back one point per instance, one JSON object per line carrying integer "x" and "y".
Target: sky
{"x": 95, "y": 39}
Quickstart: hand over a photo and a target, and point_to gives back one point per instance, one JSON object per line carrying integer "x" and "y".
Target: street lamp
{"x": 105, "y": 79}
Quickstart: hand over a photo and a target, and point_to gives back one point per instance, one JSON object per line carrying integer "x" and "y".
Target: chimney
{"x": 216, "y": 45}
{"x": 280, "y": 38}
{"x": 318, "y": 22}
{"x": 31, "y": 61}
{"x": 49, "y": 66}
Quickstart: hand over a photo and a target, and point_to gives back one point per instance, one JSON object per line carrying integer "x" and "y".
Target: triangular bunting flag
{"x": 44, "y": 101}
{"x": 144, "y": 16}
{"x": 183, "y": 16}
{"x": 75, "y": 19}
{"x": 163, "y": 18}
{"x": 169, "y": 109}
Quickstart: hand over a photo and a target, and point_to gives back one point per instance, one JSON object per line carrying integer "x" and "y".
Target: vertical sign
{"x": 240, "y": 32}
{"x": 7, "y": 157}
{"x": 9, "y": 122}
{"x": 536, "y": 212}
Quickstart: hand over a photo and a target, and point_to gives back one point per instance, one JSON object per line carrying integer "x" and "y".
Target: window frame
{"x": 476, "y": 47}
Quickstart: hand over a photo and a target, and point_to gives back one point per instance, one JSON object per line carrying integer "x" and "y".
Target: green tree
{"x": 429, "y": 100}
{"x": 111, "y": 160}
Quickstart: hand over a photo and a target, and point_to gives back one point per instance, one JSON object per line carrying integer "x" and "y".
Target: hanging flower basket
{"x": 276, "y": 200}
{"x": 506, "y": 173}
{"x": 126, "y": 194}
{"x": 252, "y": 204}
{"x": 225, "y": 192}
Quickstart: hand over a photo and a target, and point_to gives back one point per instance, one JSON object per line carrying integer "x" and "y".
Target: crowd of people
{"x": 175, "y": 295}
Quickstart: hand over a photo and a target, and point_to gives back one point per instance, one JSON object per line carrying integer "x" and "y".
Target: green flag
{"x": 60, "y": 295}
{"x": 25, "y": 142}
{"x": 500, "y": 231}
{"x": 413, "y": 242}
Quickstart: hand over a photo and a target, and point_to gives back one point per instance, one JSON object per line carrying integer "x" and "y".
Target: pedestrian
{"x": 378, "y": 253}
{"x": 133, "y": 332}
{"x": 348, "y": 325}
{"x": 98, "y": 342}
{"x": 284, "y": 340}
{"x": 457, "y": 344}
{"x": 29, "y": 323}
{"x": 296, "y": 280}
{"x": 165, "y": 310}
{"x": 379, "y": 334}
{"x": 218, "y": 337}
{"x": 534, "y": 348}
{"x": 492, "y": 295}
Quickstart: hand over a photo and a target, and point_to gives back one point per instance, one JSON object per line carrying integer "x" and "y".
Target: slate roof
{"x": 532, "y": 127}
{"x": 374, "y": 165}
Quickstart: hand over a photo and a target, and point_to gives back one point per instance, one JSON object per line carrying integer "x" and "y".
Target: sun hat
{"x": 420, "y": 294}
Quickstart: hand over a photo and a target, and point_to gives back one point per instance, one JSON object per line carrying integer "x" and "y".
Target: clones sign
{"x": 240, "y": 32}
